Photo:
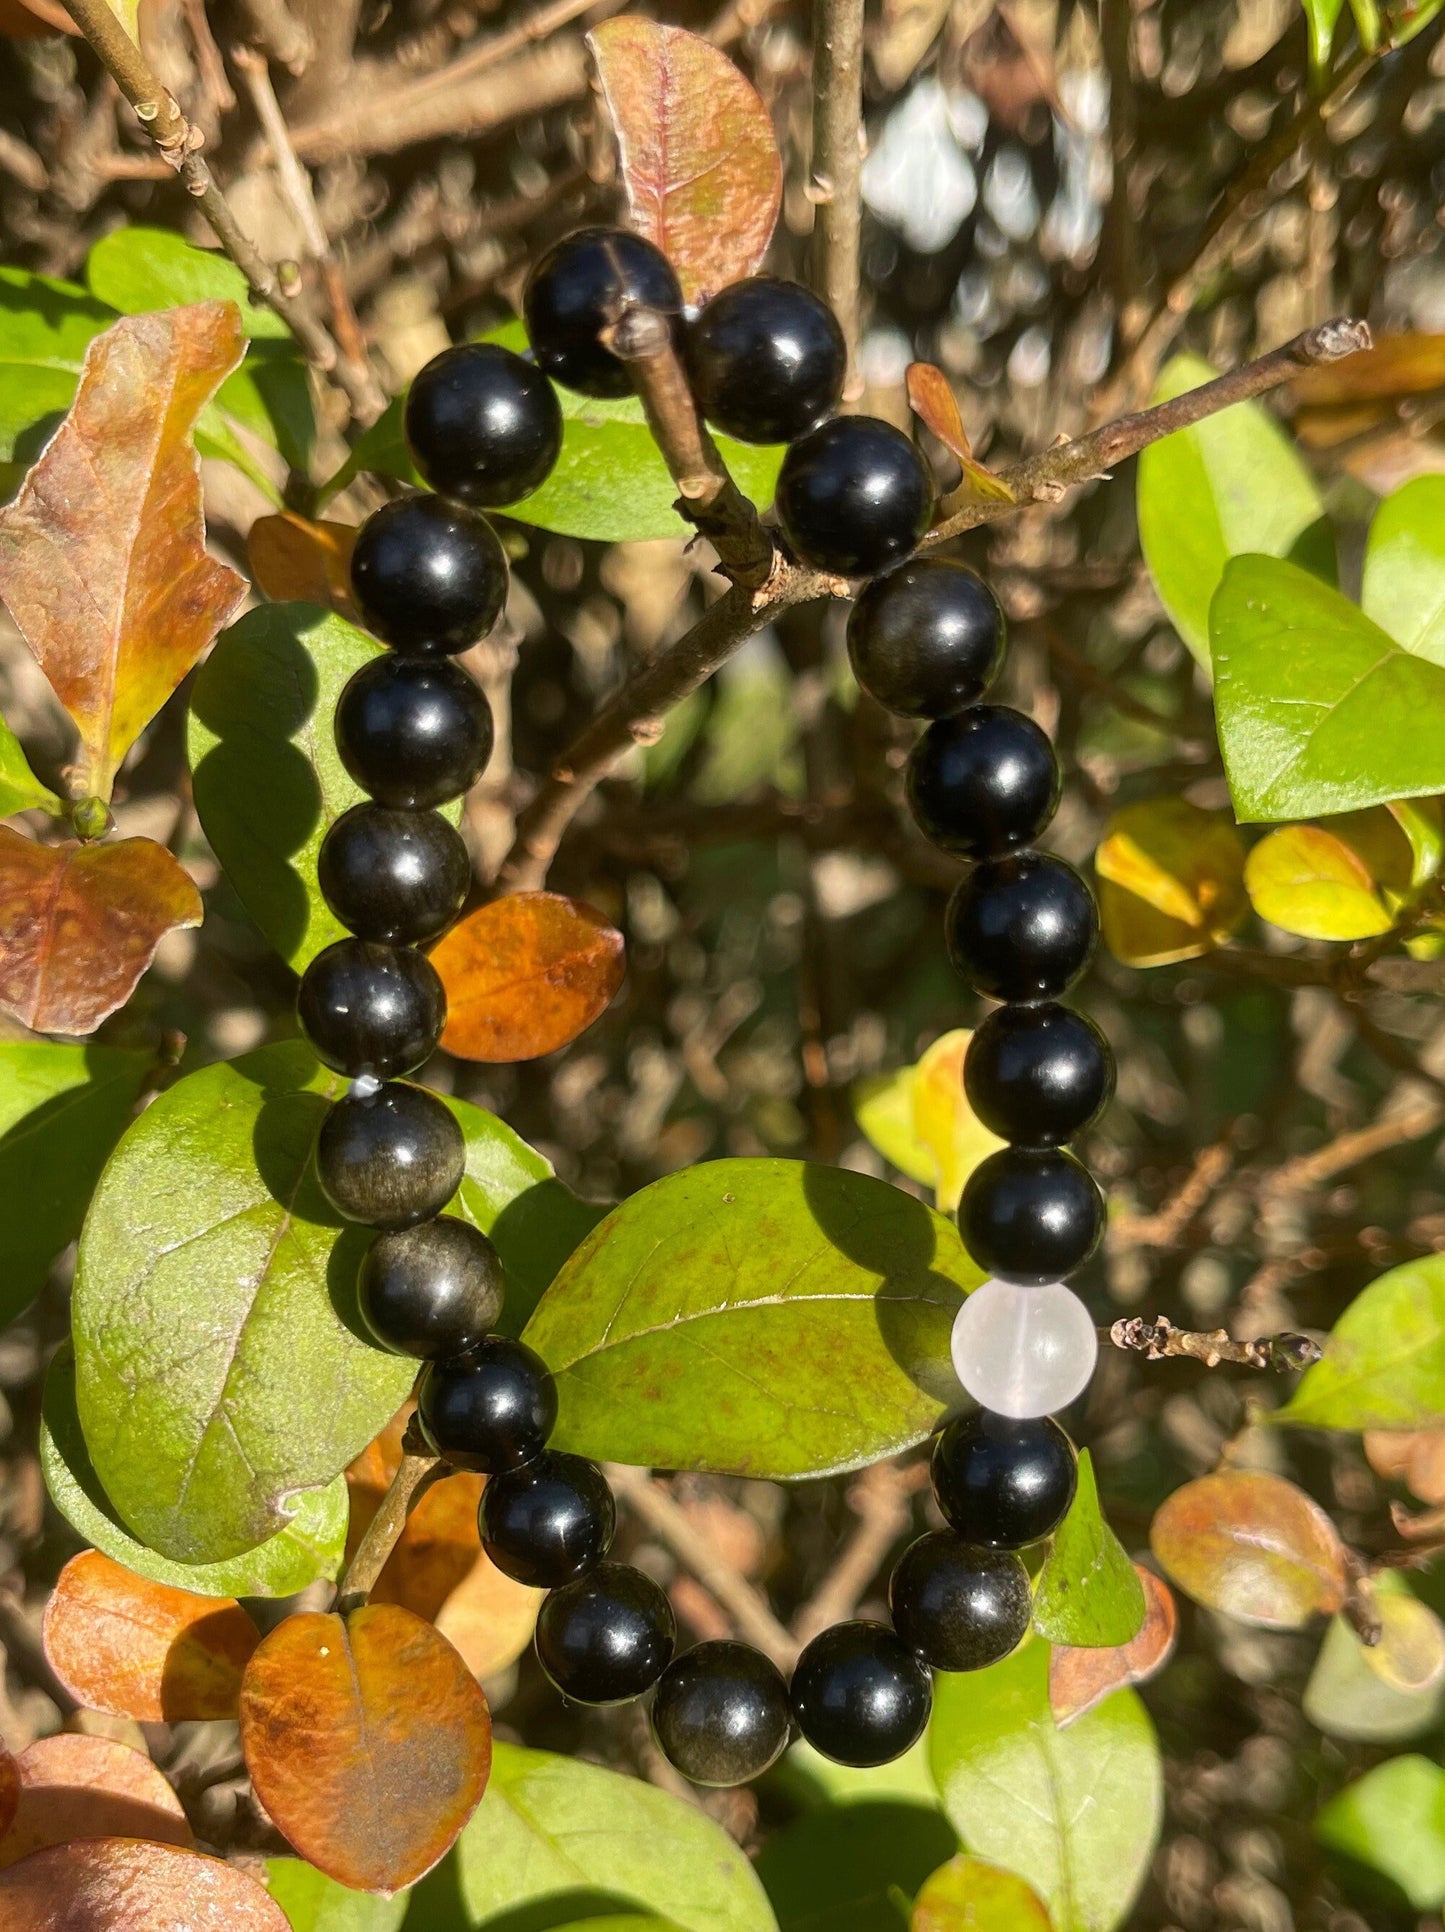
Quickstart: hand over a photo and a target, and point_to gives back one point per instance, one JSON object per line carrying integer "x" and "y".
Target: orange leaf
{"x": 144, "y": 1650}
{"x": 292, "y": 558}
{"x": 1414, "y": 1457}
{"x": 368, "y": 1741}
{"x": 700, "y": 163}
{"x": 90, "y": 1787}
{"x": 102, "y": 554}
{"x": 79, "y": 924}
{"x": 22, "y": 19}
{"x": 931, "y": 398}
{"x": 525, "y": 975}
{"x": 120, "y": 1885}
{"x": 1079, "y": 1679}
{"x": 1253, "y": 1546}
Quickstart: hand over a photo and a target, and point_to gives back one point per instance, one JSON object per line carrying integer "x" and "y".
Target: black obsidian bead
{"x": 860, "y": 1695}
{"x": 983, "y": 782}
{"x": 582, "y": 286}
{"x": 431, "y": 1290}
{"x": 767, "y": 360}
{"x": 413, "y": 731}
{"x": 1036, "y": 1075}
{"x": 548, "y": 1522}
{"x": 1001, "y": 1483}
{"x": 484, "y": 427}
{"x": 854, "y": 496}
{"x": 428, "y": 576}
{"x": 1021, "y": 927}
{"x": 607, "y": 1637}
{"x": 390, "y": 1158}
{"x": 927, "y": 639}
{"x": 396, "y": 877}
{"x": 491, "y": 1409}
{"x": 721, "y": 1714}
{"x": 1031, "y": 1215}
{"x": 960, "y": 1606}
{"x": 371, "y": 1009}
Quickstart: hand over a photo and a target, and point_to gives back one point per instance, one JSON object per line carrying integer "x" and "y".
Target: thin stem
{"x": 418, "y": 1469}
{"x": 837, "y": 175}
{"x": 1159, "y": 1341}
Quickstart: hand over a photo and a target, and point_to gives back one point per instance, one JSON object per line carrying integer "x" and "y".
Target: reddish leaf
{"x": 367, "y": 1740}
{"x": 79, "y": 924}
{"x": 144, "y": 1650}
{"x": 89, "y": 1787}
{"x": 931, "y": 398}
{"x": 525, "y": 975}
{"x": 1079, "y": 1679}
{"x": 122, "y": 1885}
{"x": 22, "y": 19}
{"x": 102, "y": 554}
{"x": 292, "y": 558}
{"x": 1253, "y": 1546}
{"x": 700, "y": 163}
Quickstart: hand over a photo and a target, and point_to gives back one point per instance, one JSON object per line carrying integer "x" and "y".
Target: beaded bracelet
{"x": 926, "y": 638}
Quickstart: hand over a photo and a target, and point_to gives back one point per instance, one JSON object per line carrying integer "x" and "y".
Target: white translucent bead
{"x": 1024, "y": 1351}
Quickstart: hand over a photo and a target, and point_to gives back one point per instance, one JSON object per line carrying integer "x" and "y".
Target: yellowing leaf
{"x": 1339, "y": 880}
{"x": 919, "y": 1119}
{"x": 931, "y": 398}
{"x": 1171, "y": 881}
{"x": 1253, "y": 1546}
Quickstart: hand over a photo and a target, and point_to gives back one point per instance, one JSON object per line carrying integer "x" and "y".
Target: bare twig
{"x": 880, "y": 1500}
{"x": 212, "y": 69}
{"x": 837, "y": 172}
{"x": 19, "y": 160}
{"x": 1309, "y": 1171}
{"x": 1158, "y": 1341}
{"x": 271, "y": 26}
{"x": 1169, "y": 1224}
{"x": 418, "y": 1469}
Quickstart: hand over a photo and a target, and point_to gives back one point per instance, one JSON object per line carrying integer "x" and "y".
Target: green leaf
{"x": 311, "y": 1545}
{"x": 811, "y": 1779}
{"x": 1389, "y": 1692}
{"x": 315, "y": 1903}
{"x": 1393, "y": 1820}
{"x": 1318, "y": 710}
{"x": 138, "y": 269}
{"x": 967, "y": 1895}
{"x": 853, "y": 1868}
{"x": 564, "y": 1836}
{"x": 45, "y": 330}
{"x": 1323, "y": 17}
{"x": 20, "y": 789}
{"x": 761, "y": 1317}
{"x": 379, "y": 451}
{"x": 1076, "y": 1812}
{"x": 1230, "y": 484}
{"x": 1089, "y": 1594}
{"x": 62, "y": 1110}
{"x": 270, "y": 395}
{"x": 1403, "y": 588}
{"x": 1384, "y": 1363}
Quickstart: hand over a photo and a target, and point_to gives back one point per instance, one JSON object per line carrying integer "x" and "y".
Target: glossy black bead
{"x": 396, "y": 877}
{"x": 1021, "y": 927}
{"x": 431, "y": 1290}
{"x": 959, "y": 1605}
{"x": 371, "y": 1009}
{"x": 390, "y": 1158}
{"x": 413, "y": 731}
{"x": 927, "y": 639}
{"x": 428, "y": 576}
{"x": 607, "y": 1637}
{"x": 548, "y": 1522}
{"x": 860, "y": 1694}
{"x": 1001, "y": 1483}
{"x": 721, "y": 1714}
{"x": 854, "y": 496}
{"x": 1036, "y": 1075}
{"x": 1031, "y": 1215}
{"x": 983, "y": 782}
{"x": 484, "y": 427}
{"x": 767, "y": 360}
{"x": 582, "y": 286}
{"x": 491, "y": 1409}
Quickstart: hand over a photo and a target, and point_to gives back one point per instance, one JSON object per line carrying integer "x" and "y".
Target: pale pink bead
{"x": 1024, "y": 1351}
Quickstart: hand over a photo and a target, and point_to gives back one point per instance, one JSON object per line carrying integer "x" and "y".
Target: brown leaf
{"x": 525, "y": 975}
{"x": 102, "y": 554}
{"x": 699, "y": 159}
{"x": 1414, "y": 1457}
{"x": 292, "y": 557}
{"x": 144, "y": 1650}
{"x": 931, "y": 398}
{"x": 79, "y": 924}
{"x": 1253, "y": 1546}
{"x": 9, "y": 1788}
{"x": 122, "y": 1885}
{"x": 1080, "y": 1679}
{"x": 89, "y": 1787}
{"x": 368, "y": 1742}
{"x": 22, "y": 19}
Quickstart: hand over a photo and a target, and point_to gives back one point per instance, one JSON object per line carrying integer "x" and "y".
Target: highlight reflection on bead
{"x": 1024, "y": 1351}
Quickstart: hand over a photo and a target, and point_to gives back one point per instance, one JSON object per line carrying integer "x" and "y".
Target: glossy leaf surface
{"x": 81, "y": 1887}
{"x": 1171, "y": 881}
{"x": 525, "y": 975}
{"x": 1088, "y": 1592}
{"x": 1080, "y": 1678}
{"x": 1384, "y": 1362}
{"x": 1253, "y": 1546}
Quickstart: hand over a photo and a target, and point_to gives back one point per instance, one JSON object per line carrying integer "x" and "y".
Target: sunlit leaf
{"x": 144, "y": 1650}
{"x": 1384, "y": 1361}
{"x": 968, "y": 1895}
{"x": 75, "y": 1888}
{"x": 1171, "y": 881}
{"x": 45, "y": 329}
{"x": 20, "y": 789}
{"x": 89, "y": 1787}
{"x": 1393, "y": 1821}
{"x": 1088, "y": 1592}
{"x": 1314, "y": 880}
{"x": 1252, "y": 1545}
{"x": 102, "y": 555}
{"x": 79, "y": 924}
{"x": 139, "y": 270}
{"x": 919, "y": 1119}
{"x": 1080, "y": 1679}
{"x": 931, "y": 398}
{"x": 296, "y": 560}
{"x": 525, "y": 975}
{"x": 368, "y": 1742}
{"x": 313, "y": 1902}
{"x": 699, "y": 161}
{"x": 1385, "y": 1692}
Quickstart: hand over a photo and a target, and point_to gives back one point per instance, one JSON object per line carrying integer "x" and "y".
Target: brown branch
{"x": 215, "y": 86}
{"x": 1168, "y": 1225}
{"x": 880, "y": 1499}
{"x": 271, "y": 26}
{"x": 747, "y": 1607}
{"x": 418, "y": 1469}
{"x": 19, "y": 160}
{"x": 1309, "y": 1171}
{"x": 837, "y": 169}
{"x": 1161, "y": 1340}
